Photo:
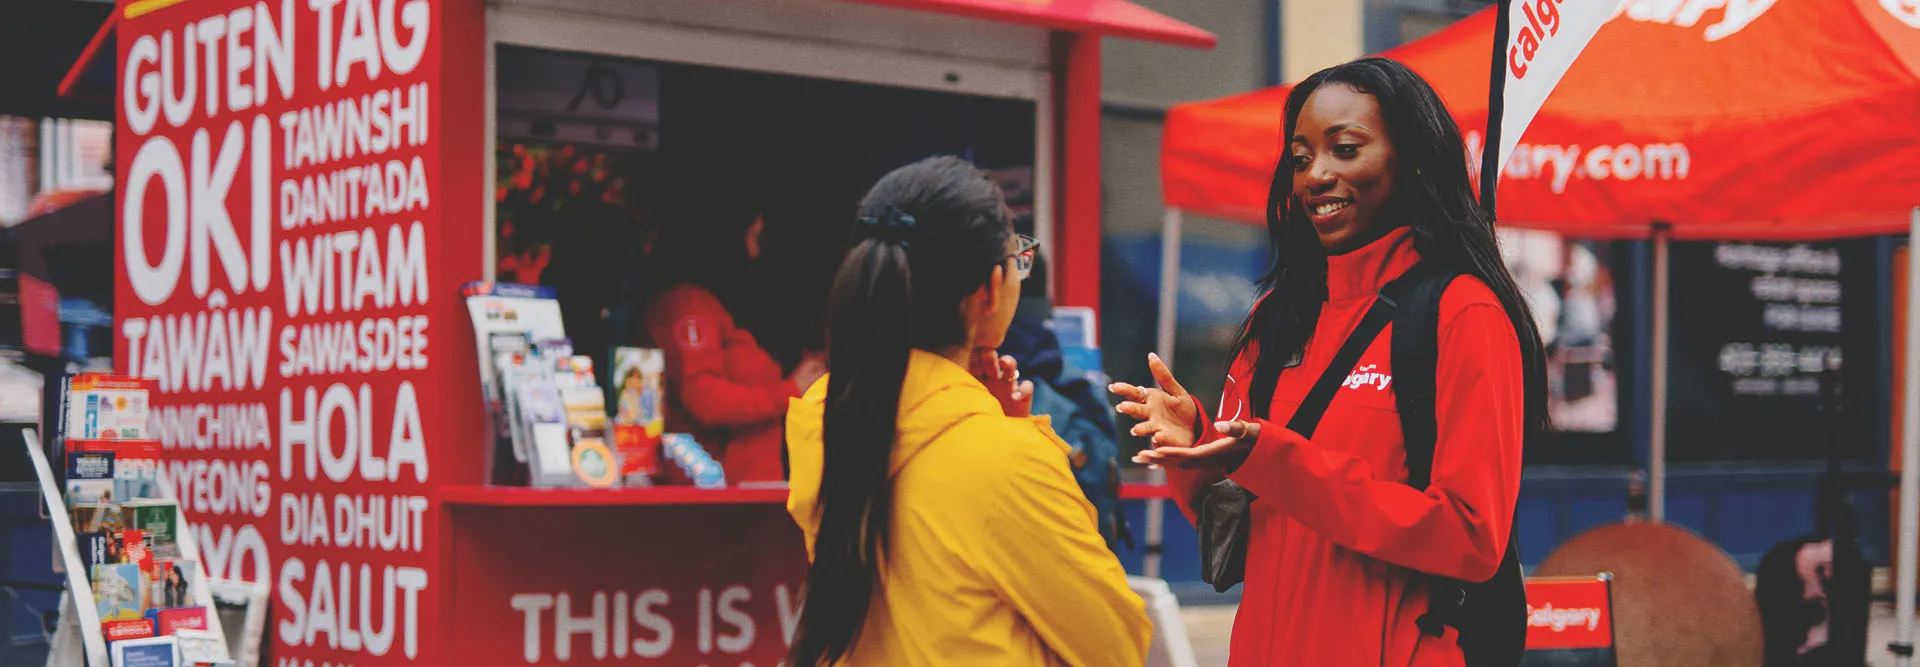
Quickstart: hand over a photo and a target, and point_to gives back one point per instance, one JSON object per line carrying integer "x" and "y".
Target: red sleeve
{"x": 1190, "y": 486}
{"x": 1459, "y": 526}
{"x": 692, "y": 327}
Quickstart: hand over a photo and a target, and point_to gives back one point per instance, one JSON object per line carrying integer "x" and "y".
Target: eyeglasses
{"x": 1025, "y": 249}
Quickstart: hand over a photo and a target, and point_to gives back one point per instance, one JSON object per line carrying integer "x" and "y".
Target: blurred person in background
{"x": 942, "y": 522}
{"x": 722, "y": 385}
{"x": 1345, "y": 560}
{"x": 1069, "y": 396}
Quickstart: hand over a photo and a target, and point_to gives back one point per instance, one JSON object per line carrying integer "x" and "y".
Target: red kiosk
{"x": 304, "y": 187}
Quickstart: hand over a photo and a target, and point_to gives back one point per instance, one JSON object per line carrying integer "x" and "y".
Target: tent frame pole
{"x": 1909, "y": 538}
{"x": 1657, "y": 414}
{"x": 1170, "y": 243}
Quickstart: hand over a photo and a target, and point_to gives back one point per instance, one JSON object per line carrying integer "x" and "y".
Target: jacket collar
{"x": 1360, "y": 274}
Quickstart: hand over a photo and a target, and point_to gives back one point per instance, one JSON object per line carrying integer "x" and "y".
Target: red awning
{"x": 1796, "y": 124}
{"x": 1114, "y": 18}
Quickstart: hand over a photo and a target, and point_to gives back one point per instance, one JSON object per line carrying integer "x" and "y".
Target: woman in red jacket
{"x": 722, "y": 386}
{"x": 1373, "y": 180}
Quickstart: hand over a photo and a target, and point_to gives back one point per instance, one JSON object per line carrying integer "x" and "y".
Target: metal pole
{"x": 1163, "y": 345}
{"x": 1909, "y": 545}
{"x": 1657, "y": 473}
{"x": 1169, "y": 284}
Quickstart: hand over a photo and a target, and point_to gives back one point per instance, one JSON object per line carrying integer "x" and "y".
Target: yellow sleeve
{"x": 1045, "y": 556}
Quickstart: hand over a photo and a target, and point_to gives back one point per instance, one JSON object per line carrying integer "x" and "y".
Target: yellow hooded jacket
{"x": 994, "y": 559}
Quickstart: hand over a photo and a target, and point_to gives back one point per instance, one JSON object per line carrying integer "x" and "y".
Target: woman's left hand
{"x": 1001, "y": 375}
{"x": 1227, "y": 453}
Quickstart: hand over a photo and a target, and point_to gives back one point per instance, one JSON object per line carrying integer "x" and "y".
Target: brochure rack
{"x": 78, "y": 637}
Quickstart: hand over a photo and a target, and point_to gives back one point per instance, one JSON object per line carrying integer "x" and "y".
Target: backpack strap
{"x": 1416, "y": 340}
{"x": 1306, "y": 418}
{"x": 1416, "y": 343}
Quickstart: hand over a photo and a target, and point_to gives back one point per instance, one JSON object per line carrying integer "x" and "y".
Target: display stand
{"x": 82, "y": 617}
{"x": 82, "y": 621}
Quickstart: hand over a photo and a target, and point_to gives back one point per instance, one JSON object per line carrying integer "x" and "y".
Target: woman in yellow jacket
{"x": 944, "y": 524}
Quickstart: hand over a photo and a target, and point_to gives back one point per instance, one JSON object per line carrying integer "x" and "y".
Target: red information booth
{"x": 304, "y": 187}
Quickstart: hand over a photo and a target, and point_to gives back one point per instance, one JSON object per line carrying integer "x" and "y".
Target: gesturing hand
{"x": 1227, "y": 453}
{"x": 1167, "y": 414}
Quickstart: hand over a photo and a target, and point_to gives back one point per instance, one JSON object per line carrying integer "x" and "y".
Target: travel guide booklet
{"x": 136, "y": 465}
{"x": 96, "y": 517}
{"x": 106, "y": 407}
{"x": 90, "y": 478}
{"x": 170, "y": 583}
{"x": 117, "y": 592}
{"x": 159, "y": 520}
{"x": 150, "y": 652}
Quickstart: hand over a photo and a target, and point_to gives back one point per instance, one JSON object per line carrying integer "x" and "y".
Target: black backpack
{"x": 1490, "y": 616}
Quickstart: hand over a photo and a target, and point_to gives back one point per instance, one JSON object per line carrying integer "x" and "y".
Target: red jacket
{"x": 1338, "y": 541}
{"x": 721, "y": 386}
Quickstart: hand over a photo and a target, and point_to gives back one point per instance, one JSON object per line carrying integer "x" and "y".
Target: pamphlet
{"x": 171, "y": 583}
{"x": 90, "y": 478}
{"x": 117, "y": 592}
{"x": 106, "y": 407}
{"x": 136, "y": 465}
{"x": 150, "y": 652}
{"x": 638, "y": 422}
{"x": 170, "y": 621}
{"x": 122, "y": 630}
{"x": 159, "y": 520}
{"x": 95, "y": 517}
{"x": 201, "y": 648}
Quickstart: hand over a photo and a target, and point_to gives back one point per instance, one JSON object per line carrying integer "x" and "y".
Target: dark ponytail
{"x": 929, "y": 234}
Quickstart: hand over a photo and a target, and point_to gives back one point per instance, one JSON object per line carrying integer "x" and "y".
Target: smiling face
{"x": 1343, "y": 167}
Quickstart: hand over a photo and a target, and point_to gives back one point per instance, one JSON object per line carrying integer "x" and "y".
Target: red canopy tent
{"x": 1799, "y": 123}
{"x": 1767, "y": 120}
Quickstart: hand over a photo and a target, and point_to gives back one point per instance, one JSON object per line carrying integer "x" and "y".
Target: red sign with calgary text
{"x": 1569, "y": 613}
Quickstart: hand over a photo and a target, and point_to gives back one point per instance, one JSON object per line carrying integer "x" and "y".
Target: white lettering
{"x": 731, "y": 599}
{"x": 151, "y": 282}
{"x": 141, "y": 106}
{"x": 272, "y": 52}
{"x": 316, "y": 611}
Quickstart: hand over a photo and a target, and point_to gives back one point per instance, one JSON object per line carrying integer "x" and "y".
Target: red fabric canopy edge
{"x": 1218, "y": 155}
{"x": 1115, "y": 18}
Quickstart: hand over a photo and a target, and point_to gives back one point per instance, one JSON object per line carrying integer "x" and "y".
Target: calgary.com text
{"x": 1560, "y": 164}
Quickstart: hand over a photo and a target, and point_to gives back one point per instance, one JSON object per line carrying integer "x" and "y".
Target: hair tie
{"x": 895, "y": 226}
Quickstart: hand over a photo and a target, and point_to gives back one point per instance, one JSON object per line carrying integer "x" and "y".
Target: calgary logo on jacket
{"x": 1365, "y": 376}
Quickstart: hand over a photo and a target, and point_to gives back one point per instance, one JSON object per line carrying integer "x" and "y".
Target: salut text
{"x": 328, "y": 613}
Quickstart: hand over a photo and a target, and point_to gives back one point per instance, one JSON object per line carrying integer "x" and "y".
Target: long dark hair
{"x": 1432, "y": 194}
{"x": 930, "y": 234}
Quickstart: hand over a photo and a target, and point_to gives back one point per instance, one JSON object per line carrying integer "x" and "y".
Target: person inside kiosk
{"x": 723, "y": 386}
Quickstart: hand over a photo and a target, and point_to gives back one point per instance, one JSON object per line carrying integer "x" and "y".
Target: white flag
{"x": 1543, "y": 38}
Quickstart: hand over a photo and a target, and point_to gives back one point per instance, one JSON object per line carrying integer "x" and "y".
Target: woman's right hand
{"x": 1167, "y": 414}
